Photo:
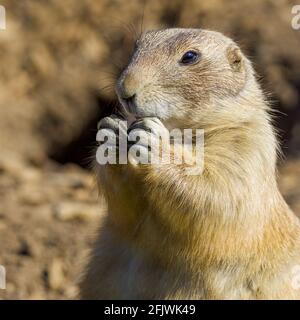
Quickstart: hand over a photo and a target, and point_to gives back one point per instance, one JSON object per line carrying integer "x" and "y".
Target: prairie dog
{"x": 224, "y": 234}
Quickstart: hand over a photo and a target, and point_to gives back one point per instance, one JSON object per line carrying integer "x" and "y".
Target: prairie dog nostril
{"x": 129, "y": 99}
{"x": 126, "y": 87}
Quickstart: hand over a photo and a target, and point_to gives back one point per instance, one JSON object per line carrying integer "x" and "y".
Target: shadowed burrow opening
{"x": 81, "y": 150}
{"x": 287, "y": 123}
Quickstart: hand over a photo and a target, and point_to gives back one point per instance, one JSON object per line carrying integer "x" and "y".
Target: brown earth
{"x": 59, "y": 60}
{"x": 47, "y": 220}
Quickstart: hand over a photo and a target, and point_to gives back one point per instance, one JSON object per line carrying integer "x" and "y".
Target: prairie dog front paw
{"x": 114, "y": 123}
{"x": 111, "y": 131}
{"x": 145, "y": 138}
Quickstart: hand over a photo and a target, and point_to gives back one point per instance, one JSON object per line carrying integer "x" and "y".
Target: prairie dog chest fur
{"x": 226, "y": 233}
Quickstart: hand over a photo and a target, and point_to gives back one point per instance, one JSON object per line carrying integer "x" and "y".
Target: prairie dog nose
{"x": 127, "y": 86}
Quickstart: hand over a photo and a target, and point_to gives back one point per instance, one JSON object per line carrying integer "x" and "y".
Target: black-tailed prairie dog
{"x": 226, "y": 233}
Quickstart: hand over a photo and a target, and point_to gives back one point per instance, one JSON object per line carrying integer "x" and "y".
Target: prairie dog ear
{"x": 235, "y": 57}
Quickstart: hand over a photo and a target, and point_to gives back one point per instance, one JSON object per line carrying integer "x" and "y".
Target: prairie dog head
{"x": 185, "y": 76}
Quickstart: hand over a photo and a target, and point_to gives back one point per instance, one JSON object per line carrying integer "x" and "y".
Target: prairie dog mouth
{"x": 128, "y": 104}
{"x": 127, "y": 110}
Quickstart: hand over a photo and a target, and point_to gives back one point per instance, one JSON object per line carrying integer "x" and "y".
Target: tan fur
{"x": 224, "y": 234}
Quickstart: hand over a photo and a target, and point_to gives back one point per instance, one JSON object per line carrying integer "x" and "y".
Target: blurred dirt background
{"x": 58, "y": 63}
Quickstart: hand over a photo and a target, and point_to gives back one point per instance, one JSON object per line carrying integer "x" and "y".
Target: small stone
{"x": 55, "y": 274}
{"x": 68, "y": 211}
{"x": 32, "y": 197}
{"x": 31, "y": 174}
{"x": 71, "y": 292}
{"x": 2, "y": 225}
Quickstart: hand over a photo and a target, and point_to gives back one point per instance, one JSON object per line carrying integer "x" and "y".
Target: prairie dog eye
{"x": 190, "y": 57}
